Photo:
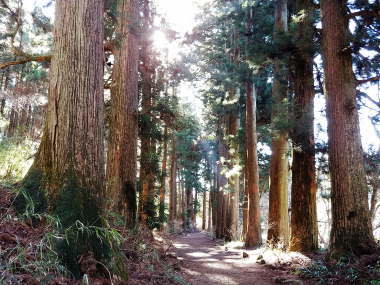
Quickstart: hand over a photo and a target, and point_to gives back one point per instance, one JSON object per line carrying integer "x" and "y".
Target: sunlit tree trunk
{"x": 122, "y": 145}
{"x": 351, "y": 231}
{"x": 233, "y": 181}
{"x": 304, "y": 230}
{"x": 148, "y": 144}
{"x": 278, "y": 219}
{"x": 221, "y": 184}
{"x": 245, "y": 200}
{"x": 253, "y": 230}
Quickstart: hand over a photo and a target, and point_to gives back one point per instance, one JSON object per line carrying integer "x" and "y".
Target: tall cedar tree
{"x": 351, "y": 231}
{"x": 122, "y": 147}
{"x": 148, "y": 144}
{"x": 253, "y": 231}
{"x": 278, "y": 194}
{"x": 72, "y": 150}
{"x": 173, "y": 186}
{"x": 304, "y": 230}
{"x": 163, "y": 174}
{"x": 233, "y": 180}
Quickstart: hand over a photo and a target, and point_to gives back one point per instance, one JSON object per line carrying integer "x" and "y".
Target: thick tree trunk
{"x": 253, "y": 230}
{"x": 122, "y": 146}
{"x": 304, "y": 229}
{"x": 278, "y": 219}
{"x": 245, "y": 200}
{"x": 72, "y": 150}
{"x": 351, "y": 231}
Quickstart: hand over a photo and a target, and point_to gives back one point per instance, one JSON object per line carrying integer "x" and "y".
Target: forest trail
{"x": 206, "y": 261}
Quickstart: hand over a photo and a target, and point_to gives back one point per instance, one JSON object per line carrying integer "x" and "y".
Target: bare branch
{"x": 40, "y": 58}
{"x": 365, "y": 13}
{"x": 362, "y": 81}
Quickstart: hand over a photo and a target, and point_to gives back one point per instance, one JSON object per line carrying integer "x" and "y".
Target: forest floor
{"x": 208, "y": 261}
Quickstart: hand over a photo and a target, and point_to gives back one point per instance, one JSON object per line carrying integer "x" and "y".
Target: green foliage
{"x": 80, "y": 225}
{"x": 31, "y": 198}
{"x": 44, "y": 267}
{"x": 15, "y": 158}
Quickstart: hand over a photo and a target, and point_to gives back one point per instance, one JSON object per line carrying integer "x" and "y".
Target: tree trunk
{"x": 221, "y": 184}
{"x": 245, "y": 197}
{"x": 204, "y": 215}
{"x": 69, "y": 165}
{"x": 147, "y": 162}
{"x": 209, "y": 220}
{"x": 351, "y": 231}
{"x": 122, "y": 145}
{"x": 173, "y": 188}
{"x": 163, "y": 175}
{"x": 278, "y": 219}
{"x": 253, "y": 231}
{"x": 233, "y": 181}
{"x": 72, "y": 143}
{"x": 304, "y": 229}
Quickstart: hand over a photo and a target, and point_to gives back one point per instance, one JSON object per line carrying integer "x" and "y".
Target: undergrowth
{"x": 39, "y": 254}
{"x": 15, "y": 158}
{"x": 350, "y": 273}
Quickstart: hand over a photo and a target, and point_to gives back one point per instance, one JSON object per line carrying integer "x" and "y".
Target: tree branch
{"x": 365, "y": 13}
{"x": 108, "y": 46}
{"x": 362, "y": 81}
{"x": 40, "y": 58}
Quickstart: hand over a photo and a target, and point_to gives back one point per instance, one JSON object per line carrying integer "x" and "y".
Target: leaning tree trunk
{"x": 351, "y": 231}
{"x": 304, "y": 230}
{"x": 122, "y": 146}
{"x": 278, "y": 194}
{"x": 253, "y": 227}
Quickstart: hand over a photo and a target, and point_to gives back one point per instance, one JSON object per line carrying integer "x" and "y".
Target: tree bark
{"x": 148, "y": 144}
{"x": 122, "y": 146}
{"x": 278, "y": 194}
{"x": 304, "y": 229}
{"x": 173, "y": 187}
{"x": 204, "y": 214}
{"x": 72, "y": 151}
{"x": 253, "y": 230}
{"x": 233, "y": 181}
{"x": 351, "y": 231}
{"x": 163, "y": 175}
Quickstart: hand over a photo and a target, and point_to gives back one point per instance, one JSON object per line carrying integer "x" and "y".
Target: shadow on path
{"x": 205, "y": 261}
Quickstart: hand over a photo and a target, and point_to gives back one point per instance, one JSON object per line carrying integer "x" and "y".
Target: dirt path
{"x": 205, "y": 261}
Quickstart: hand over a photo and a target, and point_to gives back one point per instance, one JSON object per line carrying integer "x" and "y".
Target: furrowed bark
{"x": 304, "y": 229}
{"x": 351, "y": 232}
{"x": 278, "y": 194}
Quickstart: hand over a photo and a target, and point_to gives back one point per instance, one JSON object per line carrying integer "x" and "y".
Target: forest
{"x": 189, "y": 142}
